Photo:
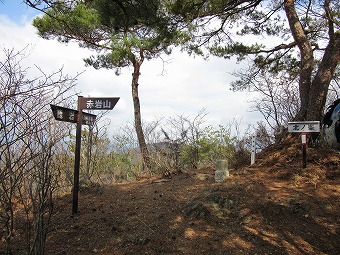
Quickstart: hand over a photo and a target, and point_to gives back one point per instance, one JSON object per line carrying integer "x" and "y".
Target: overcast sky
{"x": 188, "y": 84}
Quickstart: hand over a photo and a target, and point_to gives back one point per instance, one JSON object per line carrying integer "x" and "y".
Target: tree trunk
{"x": 137, "y": 114}
{"x": 307, "y": 58}
{"x": 313, "y": 94}
{"x": 322, "y": 79}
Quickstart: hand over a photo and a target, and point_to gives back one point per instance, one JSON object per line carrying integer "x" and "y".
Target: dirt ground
{"x": 273, "y": 207}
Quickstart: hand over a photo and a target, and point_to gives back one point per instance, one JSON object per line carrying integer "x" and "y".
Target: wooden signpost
{"x": 80, "y": 117}
{"x": 304, "y": 127}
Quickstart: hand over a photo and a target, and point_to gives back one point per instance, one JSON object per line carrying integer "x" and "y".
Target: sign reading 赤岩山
{"x": 303, "y": 126}
{"x": 98, "y": 103}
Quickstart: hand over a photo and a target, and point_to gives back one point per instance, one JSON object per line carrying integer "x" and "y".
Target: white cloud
{"x": 189, "y": 84}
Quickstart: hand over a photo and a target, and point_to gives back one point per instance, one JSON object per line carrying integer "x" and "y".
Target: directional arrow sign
{"x": 70, "y": 115}
{"x": 64, "y": 114}
{"x": 98, "y": 103}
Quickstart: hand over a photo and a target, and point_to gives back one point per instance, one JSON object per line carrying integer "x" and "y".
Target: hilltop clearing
{"x": 273, "y": 207}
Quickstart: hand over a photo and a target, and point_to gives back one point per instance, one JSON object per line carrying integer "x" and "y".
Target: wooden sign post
{"x": 88, "y": 104}
{"x": 304, "y": 127}
{"x": 80, "y": 117}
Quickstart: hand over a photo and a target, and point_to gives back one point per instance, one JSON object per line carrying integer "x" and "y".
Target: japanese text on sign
{"x": 88, "y": 119}
{"x": 304, "y": 126}
{"x": 98, "y": 103}
{"x": 70, "y": 115}
{"x": 61, "y": 115}
{"x": 64, "y": 114}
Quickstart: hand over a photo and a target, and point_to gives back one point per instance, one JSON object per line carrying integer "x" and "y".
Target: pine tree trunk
{"x": 322, "y": 79}
{"x": 137, "y": 115}
{"x": 307, "y": 58}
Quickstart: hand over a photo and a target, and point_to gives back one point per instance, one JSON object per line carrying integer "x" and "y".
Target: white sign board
{"x": 303, "y": 126}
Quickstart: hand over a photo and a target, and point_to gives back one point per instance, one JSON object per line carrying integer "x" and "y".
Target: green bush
{"x": 208, "y": 146}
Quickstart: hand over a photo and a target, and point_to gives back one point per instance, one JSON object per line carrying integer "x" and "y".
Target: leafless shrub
{"x": 278, "y": 100}
{"x": 27, "y": 140}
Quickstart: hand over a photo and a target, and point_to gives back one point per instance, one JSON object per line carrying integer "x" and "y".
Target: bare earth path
{"x": 260, "y": 210}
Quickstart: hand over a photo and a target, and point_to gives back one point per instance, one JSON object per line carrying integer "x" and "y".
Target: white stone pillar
{"x": 253, "y": 150}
